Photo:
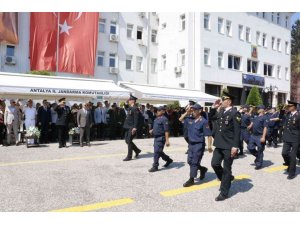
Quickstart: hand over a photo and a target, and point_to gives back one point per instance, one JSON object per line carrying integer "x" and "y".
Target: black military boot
{"x": 168, "y": 163}
{"x": 220, "y": 197}
{"x": 203, "y": 171}
{"x": 137, "y": 153}
{"x": 153, "y": 169}
{"x": 189, "y": 183}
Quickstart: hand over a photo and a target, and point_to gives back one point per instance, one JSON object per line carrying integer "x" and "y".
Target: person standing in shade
{"x": 245, "y": 127}
{"x": 259, "y": 126}
{"x": 30, "y": 117}
{"x": 291, "y": 139}
{"x": 198, "y": 129}
{"x": 44, "y": 121}
{"x": 131, "y": 125}
{"x": 12, "y": 121}
{"x": 84, "y": 121}
{"x": 53, "y": 135}
{"x": 160, "y": 132}
{"x": 227, "y": 128}
{"x": 63, "y": 116}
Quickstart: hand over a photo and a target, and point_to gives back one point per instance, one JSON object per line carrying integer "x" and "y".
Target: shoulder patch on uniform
{"x": 238, "y": 119}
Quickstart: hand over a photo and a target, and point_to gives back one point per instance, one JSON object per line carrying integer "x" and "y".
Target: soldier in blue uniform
{"x": 160, "y": 132}
{"x": 226, "y": 132}
{"x": 291, "y": 139}
{"x": 197, "y": 130}
{"x": 245, "y": 126}
{"x": 258, "y": 136}
{"x": 273, "y": 126}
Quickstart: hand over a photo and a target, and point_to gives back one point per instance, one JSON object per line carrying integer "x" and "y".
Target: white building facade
{"x": 202, "y": 51}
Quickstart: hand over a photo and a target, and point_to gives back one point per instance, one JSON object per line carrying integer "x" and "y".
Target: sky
{"x": 295, "y": 17}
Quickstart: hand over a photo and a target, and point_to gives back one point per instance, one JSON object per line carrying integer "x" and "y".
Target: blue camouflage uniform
{"x": 273, "y": 127}
{"x": 245, "y": 134}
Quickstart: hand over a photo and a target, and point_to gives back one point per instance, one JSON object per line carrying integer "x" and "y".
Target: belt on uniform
{"x": 158, "y": 136}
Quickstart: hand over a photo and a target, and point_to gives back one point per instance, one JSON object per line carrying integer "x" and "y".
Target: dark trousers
{"x": 280, "y": 134}
{"x": 1, "y": 134}
{"x": 272, "y": 136}
{"x": 244, "y": 137}
{"x": 131, "y": 146}
{"x": 53, "y": 135}
{"x": 289, "y": 154}
{"x": 44, "y": 133}
{"x": 85, "y": 132}
{"x": 100, "y": 130}
{"x": 259, "y": 152}
{"x": 195, "y": 154}
{"x": 224, "y": 174}
{"x": 159, "y": 144}
{"x": 113, "y": 131}
{"x": 62, "y": 135}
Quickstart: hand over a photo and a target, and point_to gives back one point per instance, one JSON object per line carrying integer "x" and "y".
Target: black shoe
{"x": 290, "y": 177}
{"x": 168, "y": 163}
{"x": 186, "y": 152}
{"x": 189, "y": 183}
{"x": 258, "y": 167}
{"x": 89, "y": 144}
{"x": 153, "y": 169}
{"x": 232, "y": 178}
{"x": 60, "y": 146}
{"x": 137, "y": 153}
{"x": 81, "y": 145}
{"x": 127, "y": 159}
{"x": 220, "y": 198}
{"x": 203, "y": 171}
{"x": 285, "y": 164}
{"x": 275, "y": 146}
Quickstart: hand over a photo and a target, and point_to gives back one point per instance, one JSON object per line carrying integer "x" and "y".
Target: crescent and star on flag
{"x": 64, "y": 28}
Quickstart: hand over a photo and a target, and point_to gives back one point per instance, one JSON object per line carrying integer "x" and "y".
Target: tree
{"x": 295, "y": 35}
{"x": 224, "y": 89}
{"x": 254, "y": 97}
{"x": 174, "y": 105}
{"x": 295, "y": 77}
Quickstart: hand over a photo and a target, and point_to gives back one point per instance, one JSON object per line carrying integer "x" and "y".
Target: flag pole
{"x": 57, "y": 42}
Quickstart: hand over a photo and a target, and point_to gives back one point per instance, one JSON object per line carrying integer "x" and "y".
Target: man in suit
{"x": 63, "y": 116}
{"x": 12, "y": 120}
{"x": 131, "y": 125}
{"x": 100, "y": 119}
{"x": 226, "y": 140}
{"x": 44, "y": 121}
{"x": 84, "y": 121}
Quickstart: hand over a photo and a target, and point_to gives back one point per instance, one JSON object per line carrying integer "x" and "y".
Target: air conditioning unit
{"x": 140, "y": 42}
{"x": 10, "y": 60}
{"x": 177, "y": 69}
{"x": 142, "y": 14}
{"x": 114, "y": 37}
{"x": 113, "y": 70}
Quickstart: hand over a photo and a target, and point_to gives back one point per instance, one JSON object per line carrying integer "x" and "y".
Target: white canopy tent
{"x": 159, "y": 94}
{"x": 24, "y": 86}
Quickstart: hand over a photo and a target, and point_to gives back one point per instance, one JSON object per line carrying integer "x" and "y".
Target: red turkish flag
{"x": 43, "y": 40}
{"x": 78, "y": 34}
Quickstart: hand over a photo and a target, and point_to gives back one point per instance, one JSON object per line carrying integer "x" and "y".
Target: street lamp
{"x": 271, "y": 89}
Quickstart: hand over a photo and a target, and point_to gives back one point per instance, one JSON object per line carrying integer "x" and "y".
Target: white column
{"x": 274, "y": 99}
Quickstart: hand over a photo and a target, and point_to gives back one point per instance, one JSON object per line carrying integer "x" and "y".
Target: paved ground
{"x": 96, "y": 179}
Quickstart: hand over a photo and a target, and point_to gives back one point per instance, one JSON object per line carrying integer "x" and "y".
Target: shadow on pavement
{"x": 209, "y": 176}
{"x": 174, "y": 165}
{"x": 266, "y": 163}
{"x": 240, "y": 186}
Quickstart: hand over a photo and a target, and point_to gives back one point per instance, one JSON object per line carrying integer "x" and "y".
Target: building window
{"x": 182, "y": 57}
{"x": 10, "y": 50}
{"x": 129, "y": 30}
{"x": 139, "y": 64}
{"x": 153, "y": 36}
{"x": 287, "y": 75}
{"x": 248, "y": 34}
{"x": 287, "y": 51}
{"x": 112, "y": 60}
{"x": 153, "y": 65}
{"x": 234, "y": 62}
{"x": 279, "y": 45}
{"x": 228, "y": 28}
{"x": 139, "y": 33}
{"x": 113, "y": 27}
{"x": 252, "y": 66}
{"x": 102, "y": 25}
{"x": 258, "y": 38}
{"x": 206, "y": 21}
{"x": 286, "y": 21}
{"x": 268, "y": 70}
{"x": 264, "y": 40}
{"x": 163, "y": 25}
{"x": 129, "y": 62}
{"x": 279, "y": 72}
{"x": 163, "y": 62}
{"x": 272, "y": 17}
{"x": 100, "y": 58}
{"x": 221, "y": 25}
{"x": 221, "y": 59}
{"x": 182, "y": 22}
{"x": 278, "y": 18}
{"x": 241, "y": 32}
{"x": 264, "y": 15}
{"x": 206, "y": 56}
{"x": 273, "y": 43}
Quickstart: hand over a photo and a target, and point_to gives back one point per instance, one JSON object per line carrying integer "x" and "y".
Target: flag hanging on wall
{"x": 9, "y": 27}
{"x": 64, "y": 42}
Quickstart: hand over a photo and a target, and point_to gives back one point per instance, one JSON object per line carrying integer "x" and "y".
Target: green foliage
{"x": 224, "y": 89}
{"x": 41, "y": 72}
{"x": 174, "y": 105}
{"x": 295, "y": 35}
{"x": 254, "y": 97}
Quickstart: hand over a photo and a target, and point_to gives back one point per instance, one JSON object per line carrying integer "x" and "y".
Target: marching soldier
{"x": 197, "y": 130}
{"x": 291, "y": 139}
{"x": 245, "y": 127}
{"x": 131, "y": 125}
{"x": 258, "y": 136}
{"x": 273, "y": 126}
{"x": 227, "y": 129}
{"x": 160, "y": 132}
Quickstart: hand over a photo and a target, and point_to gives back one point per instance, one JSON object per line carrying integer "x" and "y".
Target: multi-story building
{"x": 201, "y": 51}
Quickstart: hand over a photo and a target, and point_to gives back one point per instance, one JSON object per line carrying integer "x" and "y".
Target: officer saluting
{"x": 160, "y": 132}
{"x": 291, "y": 139}
{"x": 130, "y": 127}
{"x": 226, "y": 140}
{"x": 197, "y": 130}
